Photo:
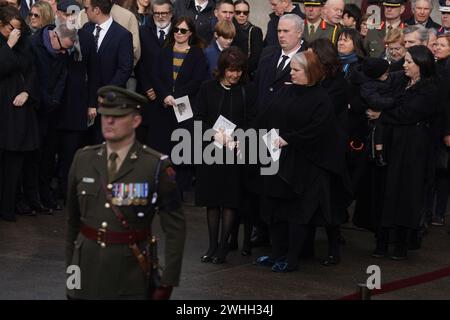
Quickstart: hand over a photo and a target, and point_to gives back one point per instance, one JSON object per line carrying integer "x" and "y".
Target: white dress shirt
{"x": 105, "y": 27}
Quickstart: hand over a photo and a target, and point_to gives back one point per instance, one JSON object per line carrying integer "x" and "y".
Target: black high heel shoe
{"x": 208, "y": 257}
{"x": 331, "y": 261}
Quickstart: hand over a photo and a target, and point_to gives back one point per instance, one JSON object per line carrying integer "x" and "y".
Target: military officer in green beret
{"x": 374, "y": 41}
{"x": 114, "y": 191}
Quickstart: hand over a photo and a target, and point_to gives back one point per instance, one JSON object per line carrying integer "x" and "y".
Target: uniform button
{"x": 107, "y": 205}
{"x": 109, "y": 186}
{"x": 83, "y": 192}
{"x": 103, "y": 245}
{"x": 271, "y": 89}
{"x": 104, "y": 225}
{"x": 140, "y": 214}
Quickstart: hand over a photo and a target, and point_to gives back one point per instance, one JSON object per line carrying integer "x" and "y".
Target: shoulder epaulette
{"x": 93, "y": 147}
{"x": 154, "y": 153}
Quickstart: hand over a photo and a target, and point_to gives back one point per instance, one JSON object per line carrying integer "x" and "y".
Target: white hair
{"x": 430, "y": 2}
{"x": 298, "y": 21}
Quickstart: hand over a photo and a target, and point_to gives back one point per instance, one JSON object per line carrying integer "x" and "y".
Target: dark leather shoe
{"x": 206, "y": 258}
{"x": 218, "y": 260}
{"x": 400, "y": 253}
{"x": 331, "y": 261}
{"x": 24, "y": 209}
{"x": 37, "y": 206}
{"x": 246, "y": 252}
{"x": 379, "y": 161}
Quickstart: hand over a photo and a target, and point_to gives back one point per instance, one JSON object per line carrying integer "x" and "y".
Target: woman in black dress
{"x": 249, "y": 38}
{"x": 218, "y": 186}
{"x": 410, "y": 151}
{"x": 304, "y": 191}
{"x": 18, "y": 124}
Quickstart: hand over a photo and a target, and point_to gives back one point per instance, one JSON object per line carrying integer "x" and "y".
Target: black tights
{"x": 292, "y": 234}
{"x": 219, "y": 247}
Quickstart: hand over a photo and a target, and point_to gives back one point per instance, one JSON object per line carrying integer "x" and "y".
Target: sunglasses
{"x": 182, "y": 30}
{"x": 34, "y": 15}
{"x": 245, "y": 13}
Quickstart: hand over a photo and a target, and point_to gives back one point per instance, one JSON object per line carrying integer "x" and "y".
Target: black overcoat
{"x": 312, "y": 165}
{"x": 18, "y": 125}
{"x": 220, "y": 184}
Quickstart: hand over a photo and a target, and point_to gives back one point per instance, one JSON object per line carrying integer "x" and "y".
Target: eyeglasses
{"x": 182, "y": 30}
{"x": 245, "y": 13}
{"x": 395, "y": 49}
{"x": 12, "y": 27}
{"x": 161, "y": 14}
{"x": 33, "y": 15}
{"x": 59, "y": 42}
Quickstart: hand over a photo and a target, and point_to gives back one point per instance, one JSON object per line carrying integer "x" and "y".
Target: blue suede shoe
{"x": 264, "y": 261}
{"x": 283, "y": 266}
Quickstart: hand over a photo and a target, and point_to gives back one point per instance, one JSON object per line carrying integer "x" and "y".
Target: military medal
{"x": 135, "y": 193}
{"x": 144, "y": 190}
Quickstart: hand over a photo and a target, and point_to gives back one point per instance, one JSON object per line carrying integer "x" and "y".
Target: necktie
{"x": 389, "y": 28}
{"x": 199, "y": 9}
{"x": 97, "y": 35}
{"x": 311, "y": 29}
{"x": 161, "y": 36}
{"x": 281, "y": 66}
{"x": 30, "y": 4}
{"x": 112, "y": 167}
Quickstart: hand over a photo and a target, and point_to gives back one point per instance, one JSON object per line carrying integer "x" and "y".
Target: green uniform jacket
{"x": 325, "y": 30}
{"x": 113, "y": 272}
{"x": 374, "y": 41}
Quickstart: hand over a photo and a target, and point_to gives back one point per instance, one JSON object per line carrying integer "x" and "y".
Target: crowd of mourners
{"x": 360, "y": 103}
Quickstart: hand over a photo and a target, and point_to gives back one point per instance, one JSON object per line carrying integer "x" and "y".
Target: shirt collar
{"x": 203, "y": 5}
{"x": 121, "y": 153}
{"x": 105, "y": 25}
{"x": 166, "y": 29}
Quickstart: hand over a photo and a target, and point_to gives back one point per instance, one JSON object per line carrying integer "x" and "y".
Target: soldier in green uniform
{"x": 114, "y": 191}
{"x": 329, "y": 26}
{"x": 313, "y": 20}
{"x": 374, "y": 41}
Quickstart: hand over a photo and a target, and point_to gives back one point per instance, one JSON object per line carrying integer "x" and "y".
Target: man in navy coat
{"x": 114, "y": 50}
{"x": 152, "y": 37}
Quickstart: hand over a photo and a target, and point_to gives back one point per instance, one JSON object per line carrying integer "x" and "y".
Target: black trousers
{"x": 11, "y": 163}
{"x": 68, "y": 144}
{"x": 288, "y": 239}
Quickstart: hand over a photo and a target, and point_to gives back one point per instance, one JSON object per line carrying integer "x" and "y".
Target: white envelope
{"x": 268, "y": 139}
{"x": 183, "y": 109}
{"x": 226, "y": 125}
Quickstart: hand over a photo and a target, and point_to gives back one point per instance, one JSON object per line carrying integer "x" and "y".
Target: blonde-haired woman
{"x": 40, "y": 15}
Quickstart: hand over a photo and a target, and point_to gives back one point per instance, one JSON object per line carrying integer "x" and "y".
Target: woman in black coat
{"x": 249, "y": 38}
{"x": 311, "y": 183}
{"x": 172, "y": 81}
{"x": 218, "y": 186}
{"x": 18, "y": 124}
{"x": 409, "y": 152}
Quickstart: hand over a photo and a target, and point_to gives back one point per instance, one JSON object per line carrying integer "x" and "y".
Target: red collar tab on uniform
{"x": 323, "y": 25}
{"x": 383, "y": 23}
{"x": 402, "y": 26}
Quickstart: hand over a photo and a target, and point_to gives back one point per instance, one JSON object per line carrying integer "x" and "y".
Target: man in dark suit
{"x": 152, "y": 37}
{"x": 422, "y": 10}
{"x": 274, "y": 70}
{"x": 114, "y": 50}
{"x": 79, "y": 94}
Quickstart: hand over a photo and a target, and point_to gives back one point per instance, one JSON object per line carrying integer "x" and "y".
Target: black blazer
{"x": 81, "y": 86}
{"x": 115, "y": 55}
{"x": 150, "y": 50}
{"x": 266, "y": 81}
{"x": 192, "y": 73}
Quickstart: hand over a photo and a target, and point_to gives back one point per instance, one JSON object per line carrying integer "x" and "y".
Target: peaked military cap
{"x": 444, "y": 5}
{"x": 394, "y": 3}
{"x": 313, "y": 3}
{"x": 117, "y": 101}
